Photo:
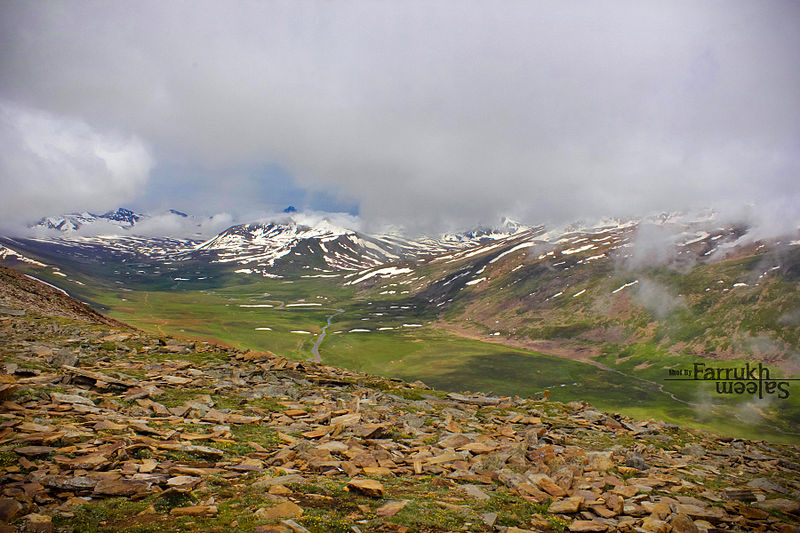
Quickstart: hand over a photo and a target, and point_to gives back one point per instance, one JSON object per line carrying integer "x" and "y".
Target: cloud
{"x": 52, "y": 164}
{"x": 435, "y": 116}
{"x": 174, "y": 225}
{"x": 657, "y": 298}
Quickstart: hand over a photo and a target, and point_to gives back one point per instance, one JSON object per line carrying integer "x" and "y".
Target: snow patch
{"x": 383, "y": 272}
{"x": 577, "y": 250}
{"x": 615, "y": 291}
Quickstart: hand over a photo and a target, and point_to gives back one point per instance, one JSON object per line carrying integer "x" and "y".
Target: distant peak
{"x": 290, "y": 209}
{"x": 122, "y": 215}
{"x": 179, "y": 213}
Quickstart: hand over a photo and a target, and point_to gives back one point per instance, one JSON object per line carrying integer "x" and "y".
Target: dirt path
{"x": 546, "y": 347}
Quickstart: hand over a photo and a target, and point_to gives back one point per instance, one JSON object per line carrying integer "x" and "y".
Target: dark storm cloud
{"x": 436, "y": 114}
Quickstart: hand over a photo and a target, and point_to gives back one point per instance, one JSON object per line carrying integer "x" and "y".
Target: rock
{"x": 635, "y": 460}
{"x": 600, "y": 461}
{"x": 120, "y": 487}
{"x": 766, "y": 485}
{"x": 654, "y": 525}
{"x": 544, "y": 482}
{"x": 475, "y": 492}
{"x": 175, "y": 380}
{"x": 683, "y": 524}
{"x": 76, "y": 483}
{"x": 700, "y": 511}
{"x": 64, "y": 357}
{"x": 581, "y": 526}
{"x": 32, "y": 451}
{"x": 279, "y": 512}
{"x": 10, "y": 509}
{"x": 454, "y": 441}
{"x": 752, "y": 513}
{"x": 265, "y": 483}
{"x": 781, "y": 504}
{"x": 38, "y": 523}
{"x": 566, "y": 506}
{"x": 694, "y": 449}
{"x": 615, "y": 503}
{"x": 294, "y": 526}
{"x": 8, "y": 386}
{"x": 626, "y": 491}
{"x": 489, "y": 518}
{"x": 474, "y": 399}
{"x": 195, "y": 510}
{"x": 187, "y": 448}
{"x": 742, "y": 495}
{"x": 367, "y": 487}
{"x": 391, "y": 508}
{"x": 148, "y": 465}
{"x": 659, "y": 510}
{"x": 89, "y": 461}
{"x": 183, "y": 482}
{"x": 279, "y": 490}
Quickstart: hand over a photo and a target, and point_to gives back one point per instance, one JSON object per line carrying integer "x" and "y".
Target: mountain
{"x": 668, "y": 284}
{"x": 321, "y": 245}
{"x": 122, "y": 218}
{"x": 288, "y": 245}
{"x": 107, "y": 428}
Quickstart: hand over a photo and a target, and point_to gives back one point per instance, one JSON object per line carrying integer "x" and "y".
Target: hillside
{"x": 110, "y": 429}
{"x": 21, "y": 294}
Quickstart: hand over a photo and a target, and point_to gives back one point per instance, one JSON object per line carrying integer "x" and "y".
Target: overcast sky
{"x": 425, "y": 114}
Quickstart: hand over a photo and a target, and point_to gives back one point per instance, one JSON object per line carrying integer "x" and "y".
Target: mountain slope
{"x": 26, "y": 294}
{"x": 694, "y": 289}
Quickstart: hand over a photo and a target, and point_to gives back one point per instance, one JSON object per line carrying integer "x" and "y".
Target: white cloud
{"x": 173, "y": 225}
{"x": 54, "y": 164}
{"x": 436, "y": 115}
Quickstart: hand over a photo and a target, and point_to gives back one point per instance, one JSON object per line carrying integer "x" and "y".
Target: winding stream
{"x": 315, "y": 357}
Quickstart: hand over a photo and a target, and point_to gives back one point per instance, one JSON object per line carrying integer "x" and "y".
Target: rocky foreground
{"x": 109, "y": 429}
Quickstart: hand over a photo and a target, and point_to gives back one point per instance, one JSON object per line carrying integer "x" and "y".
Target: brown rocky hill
{"x": 19, "y": 292}
{"x": 104, "y": 428}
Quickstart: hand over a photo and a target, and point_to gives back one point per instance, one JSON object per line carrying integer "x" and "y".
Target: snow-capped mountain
{"x": 323, "y": 245}
{"x": 295, "y": 243}
{"x": 123, "y": 218}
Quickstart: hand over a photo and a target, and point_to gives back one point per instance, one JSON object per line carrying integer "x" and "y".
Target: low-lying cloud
{"x": 657, "y": 298}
